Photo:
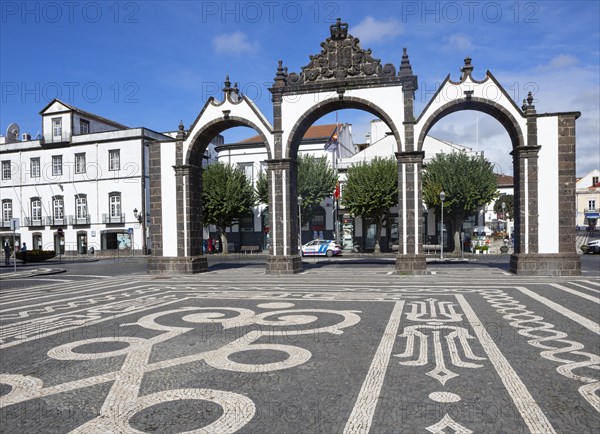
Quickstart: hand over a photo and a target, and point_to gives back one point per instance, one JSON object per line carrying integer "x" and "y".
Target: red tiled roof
{"x": 504, "y": 180}
{"x": 315, "y": 132}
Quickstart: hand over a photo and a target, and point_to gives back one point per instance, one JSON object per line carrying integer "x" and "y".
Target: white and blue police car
{"x": 321, "y": 248}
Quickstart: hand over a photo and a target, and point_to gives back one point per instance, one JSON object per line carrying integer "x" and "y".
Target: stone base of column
{"x": 284, "y": 265}
{"x": 411, "y": 264}
{"x": 176, "y": 265}
{"x": 545, "y": 264}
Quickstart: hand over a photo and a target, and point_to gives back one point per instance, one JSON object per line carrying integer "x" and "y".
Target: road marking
{"x": 585, "y": 287}
{"x": 531, "y": 413}
{"x": 362, "y": 414}
{"x": 577, "y": 293}
{"x": 588, "y": 324}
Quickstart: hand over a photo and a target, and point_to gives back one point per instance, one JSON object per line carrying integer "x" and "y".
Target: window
{"x": 7, "y": 211}
{"x": 248, "y": 171}
{"x": 34, "y": 166}
{"x": 115, "y": 205}
{"x": 58, "y": 205}
{"x": 36, "y": 209}
{"x": 114, "y": 159}
{"x": 247, "y": 223}
{"x": 84, "y": 126}
{"x": 591, "y": 204}
{"x": 594, "y": 180}
{"x": 6, "y": 170}
{"x": 80, "y": 163}
{"x": 57, "y": 165}
{"x": 57, "y": 127}
{"x": 81, "y": 207}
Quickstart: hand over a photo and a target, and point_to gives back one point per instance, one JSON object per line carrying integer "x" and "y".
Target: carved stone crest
{"x": 341, "y": 57}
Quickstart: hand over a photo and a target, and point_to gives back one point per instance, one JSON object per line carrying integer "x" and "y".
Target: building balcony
{"x": 52, "y": 221}
{"x": 113, "y": 219}
{"x": 63, "y": 138}
{"x": 33, "y": 222}
{"x": 75, "y": 221}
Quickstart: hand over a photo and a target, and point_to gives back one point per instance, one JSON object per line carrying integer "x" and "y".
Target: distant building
{"x": 588, "y": 199}
{"x": 85, "y": 175}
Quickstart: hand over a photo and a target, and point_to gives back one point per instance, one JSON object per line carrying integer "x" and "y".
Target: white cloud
{"x": 459, "y": 42}
{"x": 563, "y": 61}
{"x": 235, "y": 43}
{"x": 370, "y": 30}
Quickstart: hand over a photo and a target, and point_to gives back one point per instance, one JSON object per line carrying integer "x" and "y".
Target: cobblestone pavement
{"x": 363, "y": 350}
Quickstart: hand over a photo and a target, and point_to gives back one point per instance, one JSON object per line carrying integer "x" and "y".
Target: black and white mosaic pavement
{"x": 354, "y": 352}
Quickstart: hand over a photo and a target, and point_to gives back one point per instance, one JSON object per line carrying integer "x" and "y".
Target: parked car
{"x": 321, "y": 248}
{"x": 591, "y": 247}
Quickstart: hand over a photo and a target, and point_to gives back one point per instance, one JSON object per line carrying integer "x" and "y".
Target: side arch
{"x": 498, "y": 112}
{"x": 324, "y": 107}
{"x": 201, "y": 139}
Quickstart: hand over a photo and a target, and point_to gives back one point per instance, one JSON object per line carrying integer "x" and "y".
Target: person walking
{"x": 24, "y": 253}
{"x": 7, "y": 253}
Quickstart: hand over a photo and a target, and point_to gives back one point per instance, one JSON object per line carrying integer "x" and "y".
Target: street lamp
{"x": 442, "y": 198}
{"x": 504, "y": 216}
{"x": 300, "y": 222}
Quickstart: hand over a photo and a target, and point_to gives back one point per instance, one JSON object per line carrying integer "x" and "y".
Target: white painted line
{"x": 362, "y": 414}
{"x": 531, "y": 413}
{"x": 577, "y": 293}
{"x": 585, "y": 287}
{"x": 588, "y": 324}
{"x": 591, "y": 283}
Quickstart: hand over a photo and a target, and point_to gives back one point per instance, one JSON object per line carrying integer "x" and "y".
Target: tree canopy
{"x": 468, "y": 182}
{"x": 316, "y": 181}
{"x": 509, "y": 200}
{"x": 227, "y": 195}
{"x": 371, "y": 190}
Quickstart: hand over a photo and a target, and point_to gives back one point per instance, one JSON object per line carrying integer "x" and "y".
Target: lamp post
{"x": 300, "y": 223}
{"x": 504, "y": 216}
{"x": 442, "y": 198}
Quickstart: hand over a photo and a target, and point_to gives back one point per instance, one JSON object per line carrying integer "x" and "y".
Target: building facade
{"x": 85, "y": 177}
{"x": 588, "y": 200}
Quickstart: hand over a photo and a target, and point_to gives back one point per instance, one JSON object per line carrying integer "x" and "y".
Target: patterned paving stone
{"x": 233, "y": 351}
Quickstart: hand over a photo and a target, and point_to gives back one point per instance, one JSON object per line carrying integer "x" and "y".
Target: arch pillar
{"x": 411, "y": 259}
{"x": 284, "y": 257}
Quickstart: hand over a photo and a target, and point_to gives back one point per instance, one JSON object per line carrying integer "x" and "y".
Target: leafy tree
{"x": 371, "y": 190}
{"x": 227, "y": 195}
{"x": 316, "y": 181}
{"x": 262, "y": 188}
{"x": 468, "y": 182}
{"x": 509, "y": 200}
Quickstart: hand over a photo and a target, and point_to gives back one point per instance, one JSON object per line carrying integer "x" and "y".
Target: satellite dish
{"x": 12, "y": 133}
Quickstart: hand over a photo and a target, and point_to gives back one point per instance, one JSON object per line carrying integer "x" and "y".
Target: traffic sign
{"x": 14, "y": 224}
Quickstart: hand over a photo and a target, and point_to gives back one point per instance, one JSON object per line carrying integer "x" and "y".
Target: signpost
{"x": 60, "y": 233}
{"x": 14, "y": 225}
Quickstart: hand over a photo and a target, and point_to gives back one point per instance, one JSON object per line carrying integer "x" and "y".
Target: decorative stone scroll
{"x": 341, "y": 57}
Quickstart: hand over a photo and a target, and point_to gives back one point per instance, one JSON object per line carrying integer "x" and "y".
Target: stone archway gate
{"x": 343, "y": 75}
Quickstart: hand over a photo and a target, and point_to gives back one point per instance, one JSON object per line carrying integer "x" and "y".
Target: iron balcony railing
{"x": 75, "y": 220}
{"x": 112, "y": 219}
{"x": 31, "y": 221}
{"x": 55, "y": 221}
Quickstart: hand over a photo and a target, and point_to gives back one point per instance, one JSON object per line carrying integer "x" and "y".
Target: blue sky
{"x": 153, "y": 63}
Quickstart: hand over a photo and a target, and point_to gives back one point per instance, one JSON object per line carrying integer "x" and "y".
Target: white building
{"x": 333, "y": 141}
{"x": 588, "y": 199}
{"x": 86, "y": 175}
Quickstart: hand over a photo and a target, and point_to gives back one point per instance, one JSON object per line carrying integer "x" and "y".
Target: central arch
{"x": 311, "y": 115}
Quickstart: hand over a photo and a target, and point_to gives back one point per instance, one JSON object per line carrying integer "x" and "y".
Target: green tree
{"x": 469, "y": 182}
{"x": 227, "y": 195}
{"x": 508, "y": 214}
{"x": 371, "y": 190}
{"x": 316, "y": 181}
{"x": 262, "y": 188}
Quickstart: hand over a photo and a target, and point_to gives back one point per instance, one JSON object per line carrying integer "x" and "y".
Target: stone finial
{"x": 467, "y": 69}
{"x": 528, "y": 107}
{"x": 280, "y": 75}
{"x": 339, "y": 30}
{"x": 405, "y": 67}
{"x": 236, "y": 88}
{"x": 180, "y": 131}
{"x": 227, "y": 84}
